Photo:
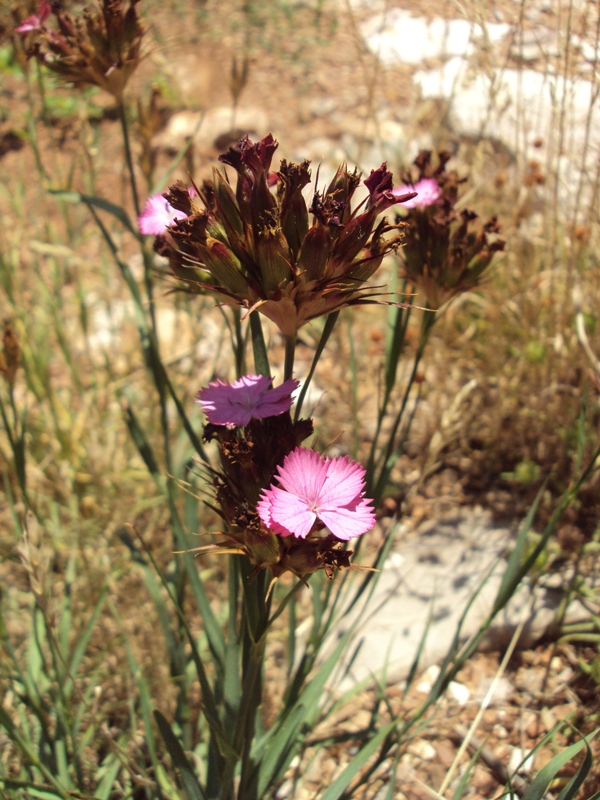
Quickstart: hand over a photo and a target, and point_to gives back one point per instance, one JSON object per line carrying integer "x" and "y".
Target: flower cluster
{"x": 259, "y": 248}
{"x": 100, "y": 48}
{"x": 444, "y": 253}
{"x": 286, "y": 507}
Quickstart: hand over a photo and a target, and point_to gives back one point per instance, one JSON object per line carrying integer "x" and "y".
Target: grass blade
{"x": 341, "y": 783}
{"x": 98, "y": 202}
{"x": 188, "y": 778}
{"x": 545, "y": 776}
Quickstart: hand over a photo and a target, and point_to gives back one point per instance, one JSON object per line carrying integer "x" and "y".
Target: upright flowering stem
{"x": 128, "y": 155}
{"x": 259, "y": 347}
{"x": 388, "y": 459}
{"x": 238, "y": 343}
{"x": 290, "y": 350}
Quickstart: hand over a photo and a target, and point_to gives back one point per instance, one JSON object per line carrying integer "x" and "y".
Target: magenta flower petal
{"x": 32, "y": 23}
{"x": 35, "y": 21}
{"x": 303, "y": 473}
{"x": 250, "y": 397}
{"x": 315, "y": 487}
{"x": 287, "y": 514}
{"x": 344, "y": 483}
{"x": 158, "y": 215}
{"x": 427, "y": 189}
{"x": 348, "y": 523}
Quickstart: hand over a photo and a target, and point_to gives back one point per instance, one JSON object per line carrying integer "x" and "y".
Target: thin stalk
{"x": 239, "y": 343}
{"x": 376, "y": 489}
{"x": 393, "y": 351}
{"x": 329, "y": 323}
{"x": 259, "y": 348}
{"x": 128, "y": 155}
{"x": 290, "y": 351}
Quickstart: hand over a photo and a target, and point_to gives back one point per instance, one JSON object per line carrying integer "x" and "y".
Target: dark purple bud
{"x": 380, "y": 186}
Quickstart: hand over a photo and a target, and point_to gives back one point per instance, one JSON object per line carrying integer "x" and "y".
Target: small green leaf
{"x": 190, "y": 782}
{"x": 545, "y": 776}
{"x": 98, "y": 202}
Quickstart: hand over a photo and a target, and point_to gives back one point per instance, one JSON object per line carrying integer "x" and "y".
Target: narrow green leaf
{"x": 209, "y": 708}
{"x": 545, "y": 776}
{"x": 83, "y": 641}
{"x": 141, "y": 442}
{"x": 111, "y": 767}
{"x": 259, "y": 348}
{"x": 570, "y": 791}
{"x": 98, "y": 202}
{"x": 327, "y": 329}
{"x": 513, "y": 572}
{"x": 212, "y": 628}
{"x": 142, "y": 685}
{"x": 190, "y": 782}
{"x": 277, "y": 748}
{"x": 341, "y": 783}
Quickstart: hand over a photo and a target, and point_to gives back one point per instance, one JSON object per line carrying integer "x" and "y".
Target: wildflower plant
{"x": 263, "y": 244}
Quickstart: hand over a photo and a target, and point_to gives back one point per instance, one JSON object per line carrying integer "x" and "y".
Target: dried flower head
{"x": 100, "y": 48}
{"x": 317, "y": 491}
{"x": 250, "y": 397}
{"x": 445, "y": 253}
{"x": 260, "y": 249}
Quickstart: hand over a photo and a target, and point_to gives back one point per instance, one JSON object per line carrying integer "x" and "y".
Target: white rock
{"x": 516, "y": 757}
{"x": 398, "y": 36}
{"x": 423, "y": 750}
{"x": 503, "y": 689}
{"x": 518, "y": 107}
{"x": 428, "y": 678}
{"x": 459, "y": 693}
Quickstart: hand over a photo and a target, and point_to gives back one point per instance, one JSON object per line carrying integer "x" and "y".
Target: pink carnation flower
{"x": 158, "y": 215}
{"x": 427, "y": 189}
{"x": 35, "y": 21}
{"x": 250, "y": 397}
{"x": 314, "y": 487}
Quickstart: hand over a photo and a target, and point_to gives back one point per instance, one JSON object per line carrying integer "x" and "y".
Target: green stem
{"x": 376, "y": 489}
{"x": 259, "y": 348}
{"x": 238, "y": 343}
{"x": 394, "y": 350}
{"x": 290, "y": 351}
{"x": 128, "y": 155}
{"x": 329, "y": 323}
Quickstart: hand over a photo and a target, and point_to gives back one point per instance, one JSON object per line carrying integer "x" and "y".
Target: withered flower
{"x": 100, "y": 48}
{"x": 445, "y": 252}
{"x": 260, "y": 250}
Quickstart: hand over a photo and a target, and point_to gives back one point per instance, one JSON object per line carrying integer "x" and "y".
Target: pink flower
{"x": 315, "y": 487}
{"x": 250, "y": 397}
{"x": 35, "y": 21}
{"x": 427, "y": 189}
{"x": 158, "y": 215}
